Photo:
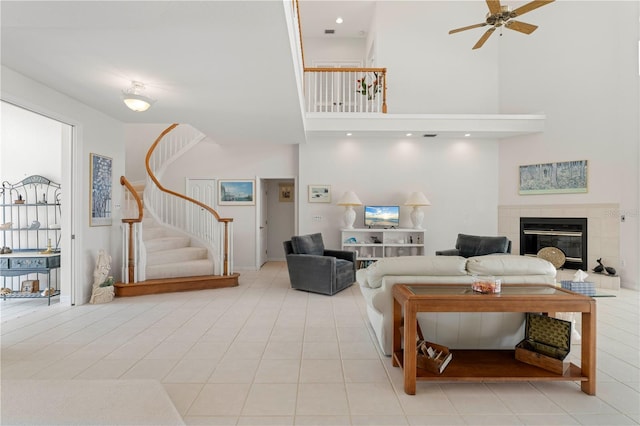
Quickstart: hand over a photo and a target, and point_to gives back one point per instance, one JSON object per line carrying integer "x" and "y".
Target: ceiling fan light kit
{"x": 499, "y": 16}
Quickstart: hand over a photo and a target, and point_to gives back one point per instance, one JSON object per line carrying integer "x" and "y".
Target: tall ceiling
{"x": 224, "y": 67}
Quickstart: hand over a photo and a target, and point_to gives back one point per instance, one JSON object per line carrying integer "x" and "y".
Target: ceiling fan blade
{"x": 523, "y": 27}
{"x": 529, "y": 7}
{"x": 494, "y": 6}
{"x": 484, "y": 38}
{"x": 457, "y": 30}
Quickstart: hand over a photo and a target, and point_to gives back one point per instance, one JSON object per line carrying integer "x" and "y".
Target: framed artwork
{"x": 100, "y": 187}
{"x": 236, "y": 192}
{"x": 285, "y": 192}
{"x": 30, "y": 286}
{"x": 319, "y": 193}
{"x": 554, "y": 178}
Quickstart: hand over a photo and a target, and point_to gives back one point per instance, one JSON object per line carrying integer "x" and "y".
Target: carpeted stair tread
{"x": 180, "y": 269}
{"x": 183, "y": 254}
{"x": 166, "y": 243}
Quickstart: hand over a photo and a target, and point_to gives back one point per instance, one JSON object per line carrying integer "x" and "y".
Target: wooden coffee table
{"x": 489, "y": 365}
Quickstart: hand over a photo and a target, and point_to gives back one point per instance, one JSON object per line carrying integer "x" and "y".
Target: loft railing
{"x": 346, "y": 90}
{"x": 179, "y": 211}
{"x": 132, "y": 231}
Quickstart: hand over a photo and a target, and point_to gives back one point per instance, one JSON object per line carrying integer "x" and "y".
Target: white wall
{"x": 430, "y": 71}
{"x": 586, "y": 82}
{"x": 213, "y": 161}
{"x": 97, "y": 133}
{"x": 30, "y": 145}
{"x": 318, "y": 50}
{"x": 460, "y": 178}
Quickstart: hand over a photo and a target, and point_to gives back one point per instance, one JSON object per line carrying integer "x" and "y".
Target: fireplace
{"x": 565, "y": 233}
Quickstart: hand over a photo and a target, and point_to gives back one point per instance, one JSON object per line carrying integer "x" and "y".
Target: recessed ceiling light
{"x": 349, "y": 134}
{"x": 339, "y": 20}
{"x": 409, "y": 134}
{"x": 466, "y": 135}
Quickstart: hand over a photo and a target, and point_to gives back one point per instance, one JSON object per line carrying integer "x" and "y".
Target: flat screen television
{"x": 382, "y": 216}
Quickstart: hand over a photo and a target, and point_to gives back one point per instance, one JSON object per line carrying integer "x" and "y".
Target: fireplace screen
{"x": 566, "y": 234}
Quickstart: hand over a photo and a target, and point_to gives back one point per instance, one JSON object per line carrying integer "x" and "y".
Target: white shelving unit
{"x": 374, "y": 244}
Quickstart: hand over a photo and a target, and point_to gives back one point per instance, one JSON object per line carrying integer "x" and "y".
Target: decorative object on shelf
{"x": 236, "y": 192}
{"x": 48, "y": 292}
{"x": 19, "y": 200}
{"x": 417, "y": 199}
{"x": 349, "y": 199}
{"x": 6, "y": 226}
{"x": 102, "y": 293}
{"x": 49, "y": 249}
{"x": 553, "y": 255}
{"x": 601, "y": 268}
{"x": 319, "y": 193}
{"x": 101, "y": 170}
{"x": 135, "y": 98}
{"x": 5, "y": 290}
{"x": 554, "y": 178}
{"x": 30, "y": 286}
{"x": 5, "y": 250}
{"x": 34, "y": 225}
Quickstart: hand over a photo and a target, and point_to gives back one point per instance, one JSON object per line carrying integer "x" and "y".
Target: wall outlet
{"x": 317, "y": 218}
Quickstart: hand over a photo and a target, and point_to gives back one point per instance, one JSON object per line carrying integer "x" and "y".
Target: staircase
{"x": 165, "y": 249}
{"x": 170, "y": 253}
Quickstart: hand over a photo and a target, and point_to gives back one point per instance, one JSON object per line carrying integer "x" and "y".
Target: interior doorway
{"x": 36, "y": 144}
{"x": 276, "y": 218}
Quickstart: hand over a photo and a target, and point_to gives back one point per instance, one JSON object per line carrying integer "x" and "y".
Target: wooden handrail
{"x": 351, "y": 69}
{"x": 131, "y": 258}
{"x": 297, "y": 7}
{"x": 226, "y": 221}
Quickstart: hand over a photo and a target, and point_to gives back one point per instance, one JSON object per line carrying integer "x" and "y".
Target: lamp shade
{"x": 349, "y": 199}
{"x": 417, "y": 199}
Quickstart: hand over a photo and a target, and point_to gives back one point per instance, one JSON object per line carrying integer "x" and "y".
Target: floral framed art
{"x": 100, "y": 186}
{"x": 236, "y": 192}
{"x": 319, "y": 193}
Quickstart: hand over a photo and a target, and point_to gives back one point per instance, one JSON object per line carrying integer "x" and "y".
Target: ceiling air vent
{"x": 329, "y": 31}
{"x": 429, "y": 135}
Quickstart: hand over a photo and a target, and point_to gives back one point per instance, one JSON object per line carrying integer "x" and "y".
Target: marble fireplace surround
{"x": 603, "y": 228}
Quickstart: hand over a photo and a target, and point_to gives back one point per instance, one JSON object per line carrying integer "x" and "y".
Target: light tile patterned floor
{"x": 263, "y": 354}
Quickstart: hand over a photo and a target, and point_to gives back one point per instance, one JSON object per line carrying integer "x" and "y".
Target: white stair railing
{"x": 345, "y": 90}
{"x": 198, "y": 220}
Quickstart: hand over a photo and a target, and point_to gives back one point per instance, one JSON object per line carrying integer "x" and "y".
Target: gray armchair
{"x": 475, "y": 245}
{"x": 315, "y": 269}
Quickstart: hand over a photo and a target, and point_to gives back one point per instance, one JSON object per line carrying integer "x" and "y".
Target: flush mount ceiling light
{"x": 339, "y": 20}
{"x": 134, "y": 97}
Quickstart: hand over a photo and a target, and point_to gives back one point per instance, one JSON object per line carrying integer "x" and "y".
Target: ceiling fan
{"x": 501, "y": 15}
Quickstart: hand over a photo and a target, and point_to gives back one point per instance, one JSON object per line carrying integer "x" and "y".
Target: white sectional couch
{"x": 456, "y": 330}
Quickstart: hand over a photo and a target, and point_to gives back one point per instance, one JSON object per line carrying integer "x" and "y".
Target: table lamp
{"x": 417, "y": 199}
{"x": 349, "y": 199}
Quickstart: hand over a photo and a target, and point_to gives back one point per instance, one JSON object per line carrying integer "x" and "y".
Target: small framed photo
{"x": 236, "y": 192}
{"x": 30, "y": 286}
{"x": 319, "y": 193}
{"x": 285, "y": 192}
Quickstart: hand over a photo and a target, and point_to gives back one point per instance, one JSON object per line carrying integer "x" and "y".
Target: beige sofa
{"x": 493, "y": 330}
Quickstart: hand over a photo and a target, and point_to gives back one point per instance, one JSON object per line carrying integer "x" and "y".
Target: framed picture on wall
{"x": 554, "y": 178}
{"x": 100, "y": 187}
{"x": 319, "y": 193}
{"x": 236, "y": 192}
{"x": 285, "y": 191}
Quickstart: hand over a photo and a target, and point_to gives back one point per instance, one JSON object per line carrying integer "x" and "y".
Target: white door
{"x": 263, "y": 223}
{"x": 337, "y": 88}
